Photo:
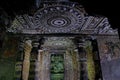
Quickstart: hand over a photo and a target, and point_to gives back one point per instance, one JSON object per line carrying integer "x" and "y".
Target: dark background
{"x": 108, "y": 8}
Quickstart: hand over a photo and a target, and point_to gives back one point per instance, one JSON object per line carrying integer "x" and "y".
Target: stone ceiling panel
{"x": 61, "y": 18}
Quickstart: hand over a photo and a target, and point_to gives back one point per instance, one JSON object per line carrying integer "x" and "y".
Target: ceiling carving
{"x": 58, "y": 19}
{"x": 61, "y": 18}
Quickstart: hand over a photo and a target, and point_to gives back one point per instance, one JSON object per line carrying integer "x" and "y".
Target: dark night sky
{"x": 108, "y": 8}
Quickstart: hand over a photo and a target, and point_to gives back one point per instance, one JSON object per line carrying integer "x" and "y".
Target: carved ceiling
{"x": 61, "y": 18}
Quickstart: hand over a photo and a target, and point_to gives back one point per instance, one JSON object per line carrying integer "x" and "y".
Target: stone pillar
{"x": 26, "y": 62}
{"x": 90, "y": 61}
{"x": 80, "y": 44}
{"x": 82, "y": 60}
{"x": 38, "y": 66}
{"x": 69, "y": 75}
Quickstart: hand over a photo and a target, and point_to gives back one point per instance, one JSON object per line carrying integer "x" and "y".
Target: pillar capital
{"x": 40, "y": 50}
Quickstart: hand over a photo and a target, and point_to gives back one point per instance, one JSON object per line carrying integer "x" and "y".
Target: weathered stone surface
{"x": 111, "y": 70}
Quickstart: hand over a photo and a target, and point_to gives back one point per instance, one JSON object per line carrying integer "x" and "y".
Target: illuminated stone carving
{"x": 90, "y": 61}
{"x": 58, "y": 18}
{"x": 61, "y": 18}
{"x": 26, "y": 62}
{"x": 57, "y": 67}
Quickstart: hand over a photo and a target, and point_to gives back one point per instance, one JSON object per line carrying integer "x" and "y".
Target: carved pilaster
{"x": 82, "y": 58}
{"x": 38, "y": 66}
{"x": 26, "y": 62}
{"x": 90, "y": 61}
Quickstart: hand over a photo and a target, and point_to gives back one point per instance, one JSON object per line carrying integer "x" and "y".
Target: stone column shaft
{"x": 38, "y": 66}
{"x": 83, "y": 61}
{"x": 26, "y": 62}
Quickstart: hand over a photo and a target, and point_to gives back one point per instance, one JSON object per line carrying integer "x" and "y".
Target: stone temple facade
{"x": 59, "y": 40}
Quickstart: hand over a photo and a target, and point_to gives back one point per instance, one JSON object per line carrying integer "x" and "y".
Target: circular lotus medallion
{"x": 58, "y": 19}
